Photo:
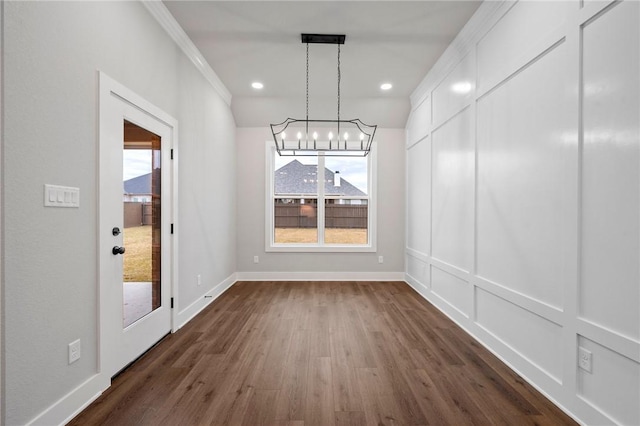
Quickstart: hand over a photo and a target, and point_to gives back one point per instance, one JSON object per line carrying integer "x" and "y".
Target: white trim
{"x": 73, "y": 402}
{"x": 108, "y": 89}
{"x": 320, "y": 276}
{"x": 326, "y": 248}
{"x": 410, "y": 144}
{"x": 417, "y": 254}
{"x": 159, "y": 11}
{"x": 562, "y": 387}
{"x": 424, "y": 292}
{"x": 188, "y": 313}
{"x": 416, "y": 284}
{"x": 175, "y": 277}
{"x": 624, "y": 345}
{"x": 271, "y": 247}
{"x": 2, "y": 206}
{"x": 480, "y": 23}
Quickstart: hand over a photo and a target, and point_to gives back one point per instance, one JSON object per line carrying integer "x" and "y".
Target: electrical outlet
{"x": 380, "y": 259}
{"x": 74, "y": 351}
{"x": 256, "y": 259}
{"x": 199, "y": 279}
{"x": 584, "y": 359}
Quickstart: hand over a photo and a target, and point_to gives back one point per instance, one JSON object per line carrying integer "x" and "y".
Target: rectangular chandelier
{"x": 302, "y": 137}
{"x": 308, "y": 137}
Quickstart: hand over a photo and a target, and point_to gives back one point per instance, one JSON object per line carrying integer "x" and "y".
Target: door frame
{"x": 110, "y": 89}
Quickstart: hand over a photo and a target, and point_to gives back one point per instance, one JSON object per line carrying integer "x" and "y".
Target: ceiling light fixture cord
{"x": 339, "y": 77}
{"x": 307, "y": 121}
{"x": 307, "y": 89}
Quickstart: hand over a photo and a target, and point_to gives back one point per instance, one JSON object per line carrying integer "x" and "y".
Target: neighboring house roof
{"x": 296, "y": 178}
{"x": 138, "y": 185}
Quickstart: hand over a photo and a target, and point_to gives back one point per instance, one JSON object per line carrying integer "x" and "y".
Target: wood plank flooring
{"x": 320, "y": 353}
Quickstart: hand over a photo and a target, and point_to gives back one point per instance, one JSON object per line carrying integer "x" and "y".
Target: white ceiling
{"x": 386, "y": 41}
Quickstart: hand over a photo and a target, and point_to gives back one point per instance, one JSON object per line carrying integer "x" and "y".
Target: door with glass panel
{"x": 135, "y": 194}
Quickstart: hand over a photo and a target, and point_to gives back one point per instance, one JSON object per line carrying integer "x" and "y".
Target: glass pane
{"x": 346, "y": 176}
{"x": 346, "y": 221}
{"x": 296, "y": 221}
{"x": 141, "y": 233}
{"x": 296, "y": 203}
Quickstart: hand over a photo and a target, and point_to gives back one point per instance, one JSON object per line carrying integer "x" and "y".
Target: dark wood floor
{"x": 320, "y": 353}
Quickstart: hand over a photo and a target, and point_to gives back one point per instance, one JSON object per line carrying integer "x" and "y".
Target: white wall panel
{"x": 517, "y": 32}
{"x": 455, "y": 91}
{"x": 553, "y": 250}
{"x": 532, "y": 336}
{"x": 420, "y": 122}
{"x": 527, "y": 179}
{"x": 452, "y": 193}
{"x": 419, "y": 270}
{"x": 609, "y": 291}
{"x": 419, "y": 196}
{"x": 452, "y": 289}
{"x": 613, "y": 386}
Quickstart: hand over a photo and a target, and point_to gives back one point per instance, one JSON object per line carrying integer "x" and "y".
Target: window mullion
{"x": 320, "y": 181}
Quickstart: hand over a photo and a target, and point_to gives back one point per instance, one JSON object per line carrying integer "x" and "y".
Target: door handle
{"x": 117, "y": 250}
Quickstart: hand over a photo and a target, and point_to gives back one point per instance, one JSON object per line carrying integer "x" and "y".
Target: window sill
{"x": 309, "y": 248}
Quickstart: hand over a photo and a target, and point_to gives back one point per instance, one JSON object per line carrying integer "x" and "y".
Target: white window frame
{"x": 272, "y": 246}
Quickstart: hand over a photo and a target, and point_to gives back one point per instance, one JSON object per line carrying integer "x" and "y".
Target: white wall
{"x": 51, "y": 54}
{"x": 2, "y": 321}
{"x": 523, "y": 195}
{"x": 251, "y": 219}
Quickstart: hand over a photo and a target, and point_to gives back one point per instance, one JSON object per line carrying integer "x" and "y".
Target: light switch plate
{"x": 61, "y": 196}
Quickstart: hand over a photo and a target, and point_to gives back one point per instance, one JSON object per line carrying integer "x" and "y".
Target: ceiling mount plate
{"x": 323, "y": 38}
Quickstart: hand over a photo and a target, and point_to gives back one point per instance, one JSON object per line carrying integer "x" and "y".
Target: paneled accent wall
{"x": 523, "y": 196}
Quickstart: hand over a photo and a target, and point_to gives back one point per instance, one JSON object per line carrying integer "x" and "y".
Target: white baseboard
{"x": 426, "y": 294}
{"x": 416, "y": 285}
{"x": 73, "y": 402}
{"x": 320, "y": 276}
{"x": 188, "y": 313}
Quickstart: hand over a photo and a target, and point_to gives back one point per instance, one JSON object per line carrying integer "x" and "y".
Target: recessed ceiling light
{"x": 386, "y": 86}
{"x": 257, "y": 85}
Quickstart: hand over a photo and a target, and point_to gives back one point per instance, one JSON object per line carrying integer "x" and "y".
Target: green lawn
{"x": 137, "y": 258}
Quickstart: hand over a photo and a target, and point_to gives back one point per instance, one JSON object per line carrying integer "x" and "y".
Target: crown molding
{"x": 166, "y": 20}
{"x": 484, "y": 19}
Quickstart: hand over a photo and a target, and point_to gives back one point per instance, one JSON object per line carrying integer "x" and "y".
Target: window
{"x": 320, "y": 203}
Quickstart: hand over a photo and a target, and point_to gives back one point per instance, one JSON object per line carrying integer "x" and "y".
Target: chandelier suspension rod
{"x": 307, "y": 122}
{"x": 339, "y": 78}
